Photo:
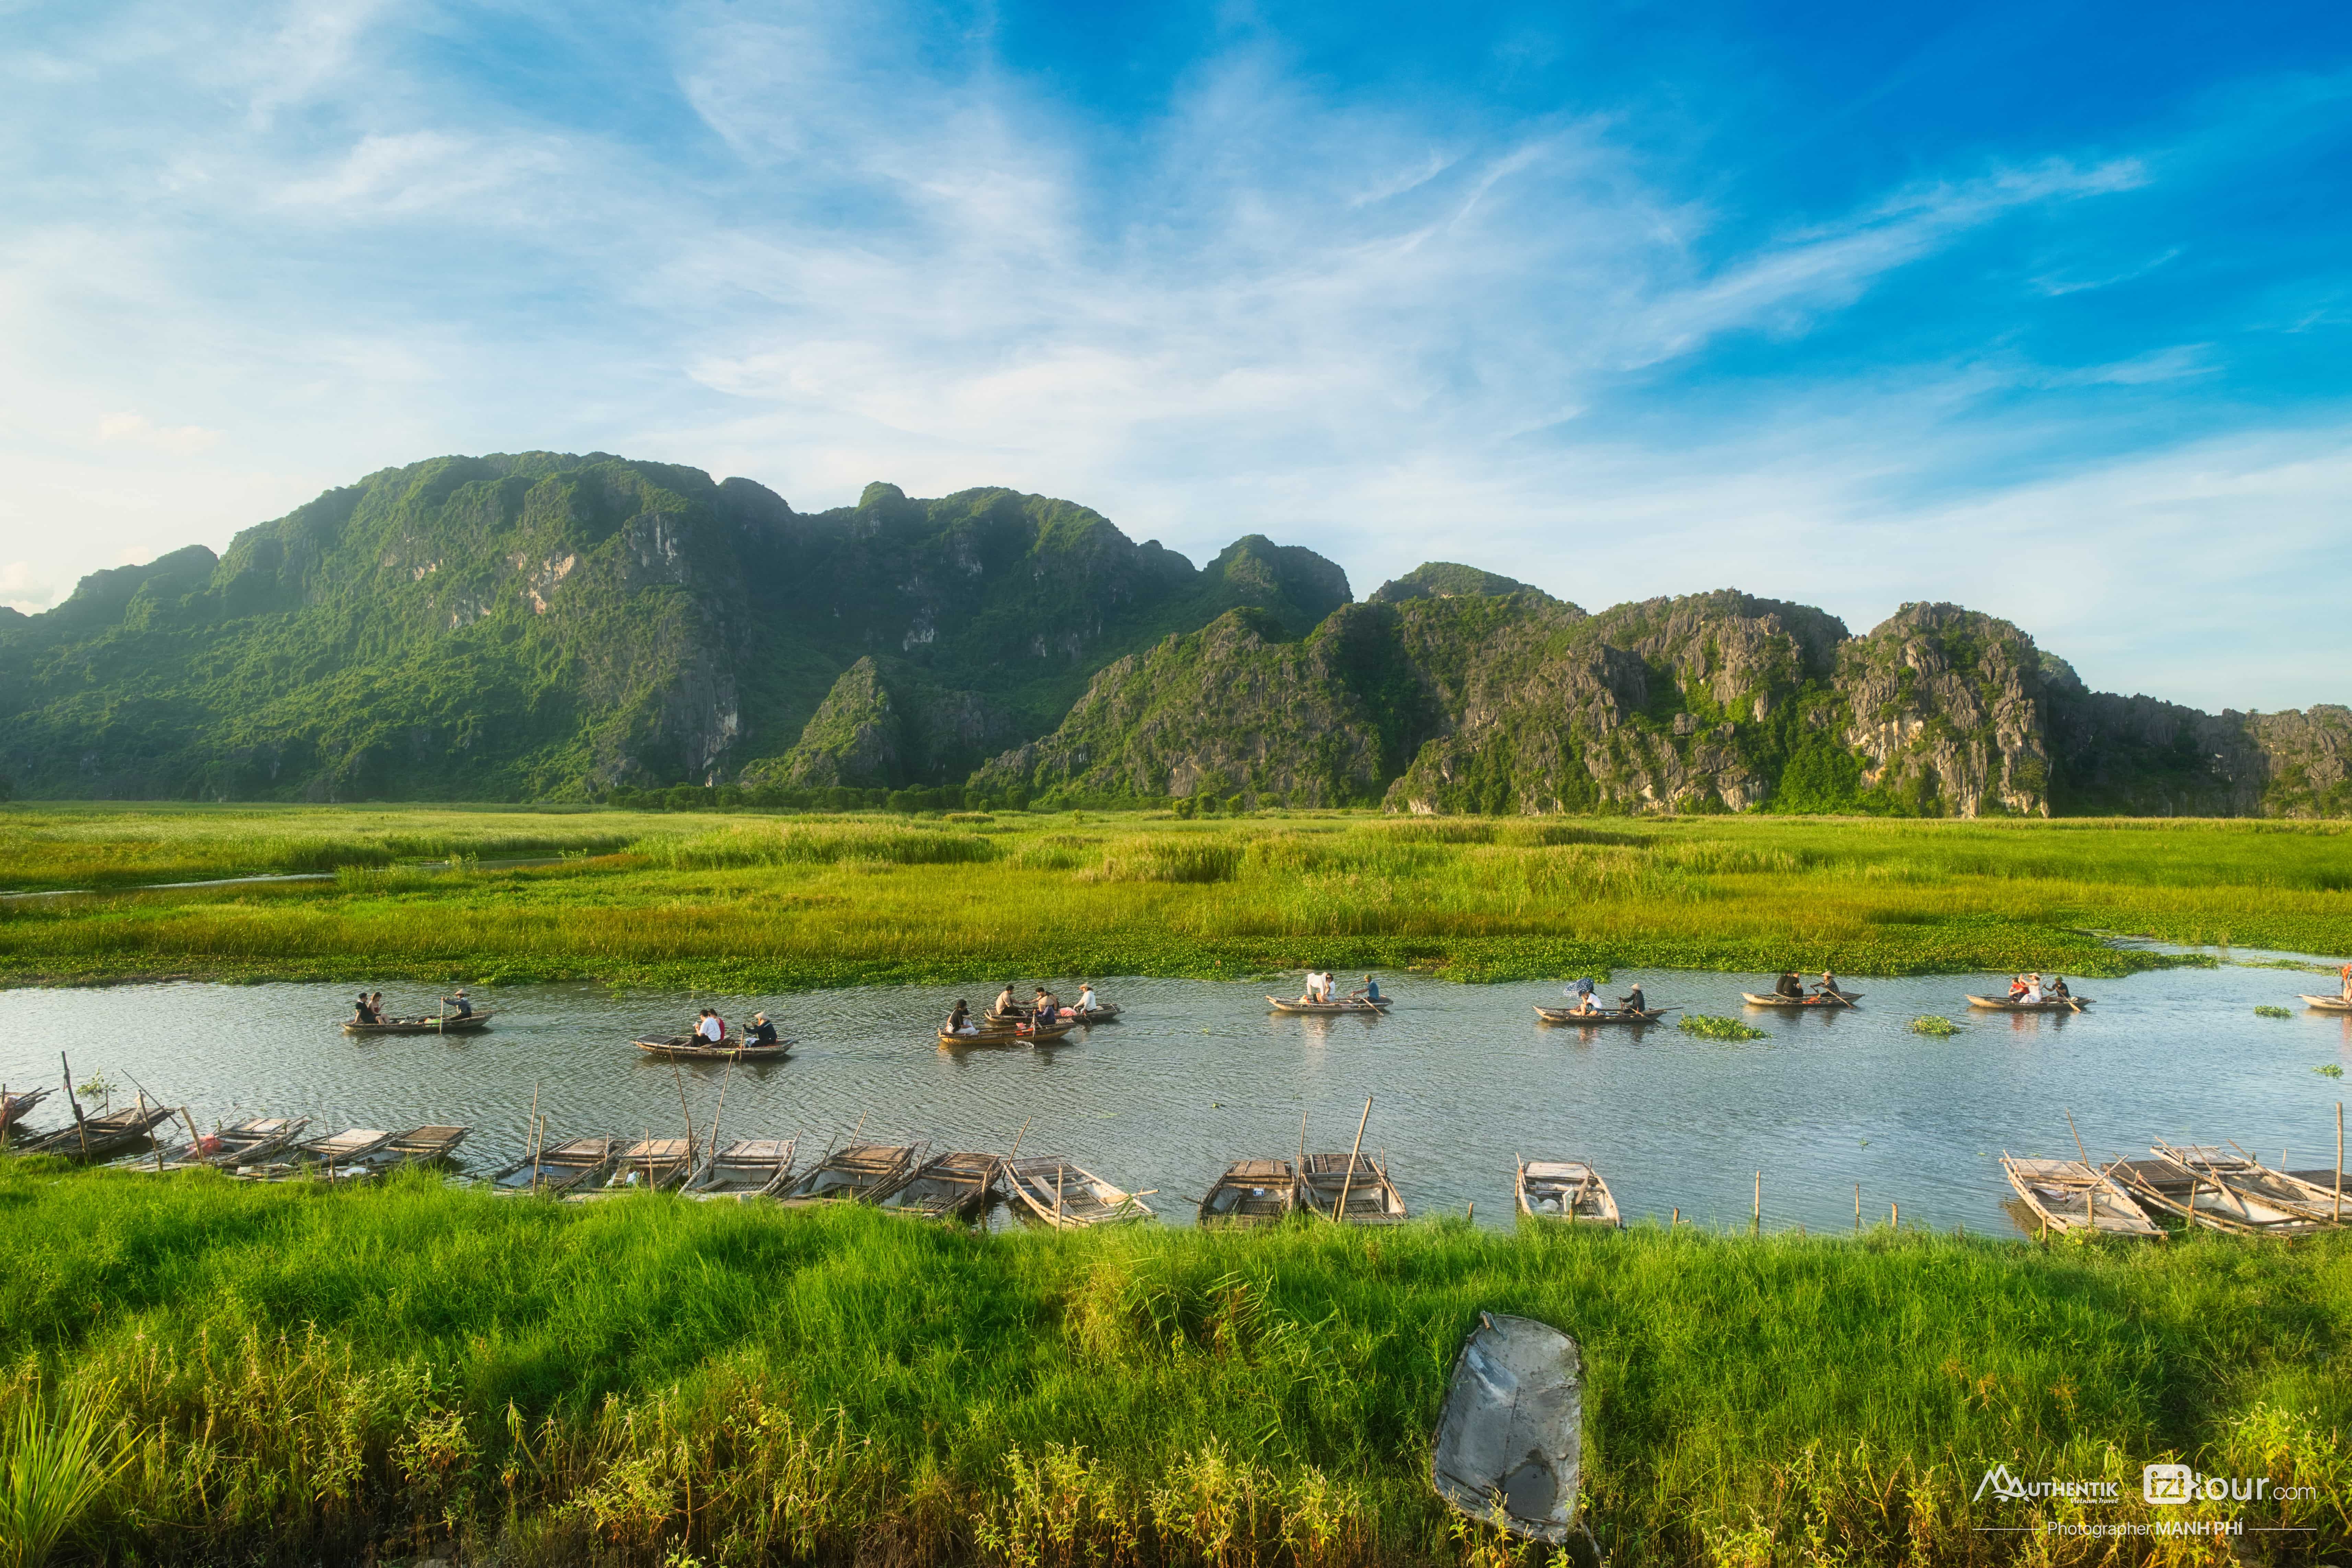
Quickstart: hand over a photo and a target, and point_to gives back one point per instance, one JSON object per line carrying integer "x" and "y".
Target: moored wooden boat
{"x": 2252, "y": 1179}
{"x": 861, "y": 1173}
{"x": 953, "y": 1185}
{"x": 653, "y": 1164}
{"x": 424, "y": 1025}
{"x": 1053, "y": 1192}
{"x": 248, "y": 1142}
{"x": 2181, "y": 1183}
{"x": 2047, "y": 1004}
{"x": 1757, "y": 999}
{"x": 1007, "y": 1037}
{"x": 554, "y": 1171}
{"x": 421, "y": 1145}
{"x": 1356, "y": 1193}
{"x": 1324, "y": 1008}
{"x": 1251, "y": 1193}
{"x": 100, "y": 1137}
{"x": 349, "y": 1147}
{"x": 2069, "y": 1195}
{"x": 1606, "y": 1016}
{"x": 2330, "y": 1004}
{"x": 687, "y": 1048}
{"x": 1567, "y": 1190}
{"x": 747, "y": 1168}
{"x": 14, "y": 1108}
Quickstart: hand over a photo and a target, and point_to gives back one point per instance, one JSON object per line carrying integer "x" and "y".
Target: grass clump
{"x": 2270, "y": 1012}
{"x": 1936, "y": 1024}
{"x": 53, "y": 1467}
{"x": 1707, "y": 1026}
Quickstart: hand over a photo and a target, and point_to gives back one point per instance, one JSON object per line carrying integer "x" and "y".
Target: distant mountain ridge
{"x": 542, "y": 626}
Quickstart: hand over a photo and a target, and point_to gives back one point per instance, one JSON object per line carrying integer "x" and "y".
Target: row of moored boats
{"x": 2216, "y": 1189}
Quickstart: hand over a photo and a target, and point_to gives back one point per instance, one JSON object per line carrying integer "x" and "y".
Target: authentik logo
{"x": 2001, "y": 1484}
{"x": 2004, "y": 1484}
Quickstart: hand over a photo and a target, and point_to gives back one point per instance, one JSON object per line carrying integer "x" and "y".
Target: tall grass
{"x": 52, "y": 1469}
{"x": 332, "y": 1373}
{"x": 750, "y": 900}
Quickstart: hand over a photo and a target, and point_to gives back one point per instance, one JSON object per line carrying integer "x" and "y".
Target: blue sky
{"x": 2042, "y": 308}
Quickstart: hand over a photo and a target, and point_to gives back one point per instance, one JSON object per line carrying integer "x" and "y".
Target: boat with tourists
{"x": 1010, "y": 1034}
{"x": 554, "y": 1172}
{"x": 1565, "y": 1190}
{"x": 1842, "y": 1000}
{"x": 451, "y": 1024}
{"x": 857, "y": 1173}
{"x": 747, "y": 1168}
{"x": 731, "y": 1049}
{"x": 1251, "y": 1193}
{"x": 2329, "y": 1004}
{"x": 1052, "y": 1191}
{"x": 1360, "y": 1005}
{"x": 1353, "y": 1189}
{"x": 2047, "y": 1004}
{"x": 2072, "y": 1197}
{"x": 1599, "y": 1015}
{"x": 950, "y": 1186}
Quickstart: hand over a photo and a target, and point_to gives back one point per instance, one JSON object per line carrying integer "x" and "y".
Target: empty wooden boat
{"x": 688, "y": 1048}
{"x": 2070, "y": 1196}
{"x": 100, "y": 1137}
{"x": 1606, "y": 1016}
{"x": 557, "y": 1169}
{"x": 14, "y": 1108}
{"x": 426, "y": 1026}
{"x": 1053, "y": 1192}
{"x": 2047, "y": 1004}
{"x": 2250, "y": 1179}
{"x": 952, "y": 1187}
{"x": 248, "y": 1142}
{"x": 422, "y": 1145}
{"x": 1757, "y": 999}
{"x": 861, "y": 1173}
{"x": 2331, "y": 1003}
{"x": 1565, "y": 1190}
{"x": 1356, "y": 1193}
{"x": 1023, "y": 1035}
{"x": 1251, "y": 1193}
{"x": 1510, "y": 1434}
{"x": 747, "y": 1168}
{"x": 651, "y": 1163}
{"x": 349, "y": 1147}
{"x": 1324, "y": 1008}
{"x": 2184, "y": 1188}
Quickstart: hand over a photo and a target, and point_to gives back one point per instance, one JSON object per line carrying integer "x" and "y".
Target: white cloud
{"x": 20, "y": 589}
{"x": 137, "y": 429}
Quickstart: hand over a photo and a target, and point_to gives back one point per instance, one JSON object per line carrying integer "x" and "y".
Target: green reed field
{"x": 289, "y": 1374}
{"x": 780, "y": 902}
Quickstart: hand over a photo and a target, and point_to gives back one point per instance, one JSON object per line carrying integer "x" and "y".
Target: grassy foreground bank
{"x": 772, "y": 903}
{"x": 309, "y": 1376}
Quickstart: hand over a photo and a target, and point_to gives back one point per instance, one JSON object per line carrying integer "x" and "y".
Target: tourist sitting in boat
{"x": 1634, "y": 1002}
{"x": 1790, "y": 985}
{"x": 762, "y": 1033}
{"x": 1369, "y": 992}
{"x": 362, "y": 1012}
{"x": 458, "y": 1004}
{"x": 2348, "y": 982}
{"x": 710, "y": 1028}
{"x": 1006, "y": 1007}
{"x": 960, "y": 1021}
{"x": 2017, "y": 988}
{"x": 375, "y": 1006}
{"x": 2033, "y": 996}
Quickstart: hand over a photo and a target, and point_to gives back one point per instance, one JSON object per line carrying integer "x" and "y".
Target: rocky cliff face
{"x": 1946, "y": 706}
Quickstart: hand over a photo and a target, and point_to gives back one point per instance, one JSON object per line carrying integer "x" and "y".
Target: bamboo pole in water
{"x": 80, "y": 1127}
{"x": 532, "y": 1132}
{"x": 1339, "y": 1215}
{"x": 1756, "y": 1219}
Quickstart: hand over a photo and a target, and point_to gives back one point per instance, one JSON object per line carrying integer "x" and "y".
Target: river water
{"x": 1198, "y": 1073}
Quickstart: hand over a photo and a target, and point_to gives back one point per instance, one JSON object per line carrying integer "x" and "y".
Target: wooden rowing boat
{"x": 860, "y": 1172}
{"x": 2047, "y": 1004}
{"x": 2330, "y": 1004}
{"x": 2070, "y": 1196}
{"x": 1606, "y": 1016}
{"x": 653, "y": 1165}
{"x": 565, "y": 1168}
{"x": 248, "y": 1142}
{"x": 1353, "y": 1194}
{"x": 349, "y": 1147}
{"x": 1327, "y": 1008}
{"x": 687, "y": 1048}
{"x": 1053, "y": 1192}
{"x": 1755, "y": 1000}
{"x": 102, "y": 1137}
{"x": 1510, "y": 1434}
{"x": 1567, "y": 1190}
{"x": 2257, "y": 1182}
{"x": 747, "y": 1168}
{"x": 952, "y": 1187}
{"x": 1107, "y": 1012}
{"x": 423, "y": 1145}
{"x": 1045, "y": 1037}
{"x": 444, "y": 1025}
{"x": 1251, "y": 1193}
{"x": 2180, "y": 1183}
{"x": 14, "y": 1108}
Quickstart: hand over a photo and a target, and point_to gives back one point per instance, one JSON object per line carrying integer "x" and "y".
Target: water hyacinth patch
{"x": 2267, "y": 1012}
{"x": 1707, "y": 1026}
{"x": 1934, "y": 1024}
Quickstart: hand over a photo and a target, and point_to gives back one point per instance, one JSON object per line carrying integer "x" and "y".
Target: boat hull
{"x": 686, "y": 1051}
{"x": 1755, "y": 999}
{"x": 1566, "y": 1192}
{"x": 2053, "y": 1004}
{"x": 1570, "y": 1015}
{"x": 1327, "y": 1009}
{"x": 422, "y": 1025}
{"x": 2330, "y": 1004}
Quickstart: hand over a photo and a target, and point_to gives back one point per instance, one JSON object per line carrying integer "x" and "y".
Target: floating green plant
{"x": 1934, "y": 1024}
{"x": 1707, "y": 1026}
{"x": 2273, "y": 1012}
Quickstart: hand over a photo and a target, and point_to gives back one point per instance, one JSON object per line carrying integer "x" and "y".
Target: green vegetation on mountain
{"x": 352, "y": 1375}
{"x": 755, "y": 902}
{"x": 540, "y": 626}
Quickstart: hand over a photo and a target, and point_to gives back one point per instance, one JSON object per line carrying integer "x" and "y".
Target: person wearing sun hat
{"x": 464, "y": 1008}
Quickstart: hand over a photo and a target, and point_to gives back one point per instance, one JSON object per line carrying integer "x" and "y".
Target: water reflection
{"x": 1197, "y": 1074}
